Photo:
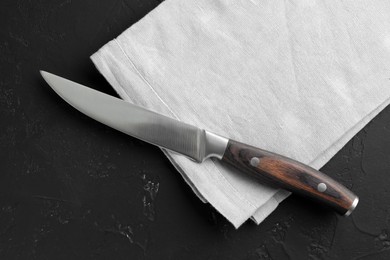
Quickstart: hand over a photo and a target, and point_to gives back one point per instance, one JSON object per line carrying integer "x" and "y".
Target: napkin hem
{"x": 144, "y": 79}
{"x": 267, "y": 208}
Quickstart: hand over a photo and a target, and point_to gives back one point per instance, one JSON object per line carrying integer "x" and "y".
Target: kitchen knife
{"x": 198, "y": 144}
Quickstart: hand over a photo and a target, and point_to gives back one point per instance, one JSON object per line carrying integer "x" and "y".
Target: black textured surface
{"x": 73, "y": 188}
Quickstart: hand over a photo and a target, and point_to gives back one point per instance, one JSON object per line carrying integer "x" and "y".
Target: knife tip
{"x": 43, "y": 73}
{"x": 46, "y": 75}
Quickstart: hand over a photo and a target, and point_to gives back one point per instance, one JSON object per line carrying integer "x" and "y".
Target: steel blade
{"x": 138, "y": 122}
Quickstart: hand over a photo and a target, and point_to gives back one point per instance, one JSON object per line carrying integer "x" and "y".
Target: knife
{"x": 198, "y": 144}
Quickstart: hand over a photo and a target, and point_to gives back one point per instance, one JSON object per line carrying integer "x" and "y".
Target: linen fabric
{"x": 299, "y": 78}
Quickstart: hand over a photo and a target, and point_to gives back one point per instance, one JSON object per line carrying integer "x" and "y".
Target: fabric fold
{"x": 298, "y": 78}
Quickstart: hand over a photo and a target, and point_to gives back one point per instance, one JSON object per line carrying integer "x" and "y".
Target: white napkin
{"x": 298, "y": 78}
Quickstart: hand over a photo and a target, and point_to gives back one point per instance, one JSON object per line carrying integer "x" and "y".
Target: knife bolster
{"x": 214, "y": 145}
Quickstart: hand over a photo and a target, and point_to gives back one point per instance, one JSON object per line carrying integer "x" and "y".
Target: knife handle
{"x": 290, "y": 175}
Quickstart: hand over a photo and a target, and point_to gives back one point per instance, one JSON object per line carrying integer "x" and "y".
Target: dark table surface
{"x": 73, "y": 188}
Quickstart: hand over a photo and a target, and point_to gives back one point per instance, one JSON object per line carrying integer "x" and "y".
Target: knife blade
{"x": 199, "y": 144}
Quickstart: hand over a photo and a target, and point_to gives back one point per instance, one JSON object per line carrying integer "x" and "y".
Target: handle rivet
{"x": 255, "y": 161}
{"x": 321, "y": 187}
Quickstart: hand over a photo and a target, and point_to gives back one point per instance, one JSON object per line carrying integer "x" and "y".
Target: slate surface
{"x": 73, "y": 188}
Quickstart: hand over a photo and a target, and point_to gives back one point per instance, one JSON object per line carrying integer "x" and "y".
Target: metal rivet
{"x": 321, "y": 187}
{"x": 255, "y": 161}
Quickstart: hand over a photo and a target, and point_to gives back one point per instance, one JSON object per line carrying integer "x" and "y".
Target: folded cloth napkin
{"x": 298, "y": 78}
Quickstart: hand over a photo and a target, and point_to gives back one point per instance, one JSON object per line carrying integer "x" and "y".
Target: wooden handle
{"x": 291, "y": 175}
